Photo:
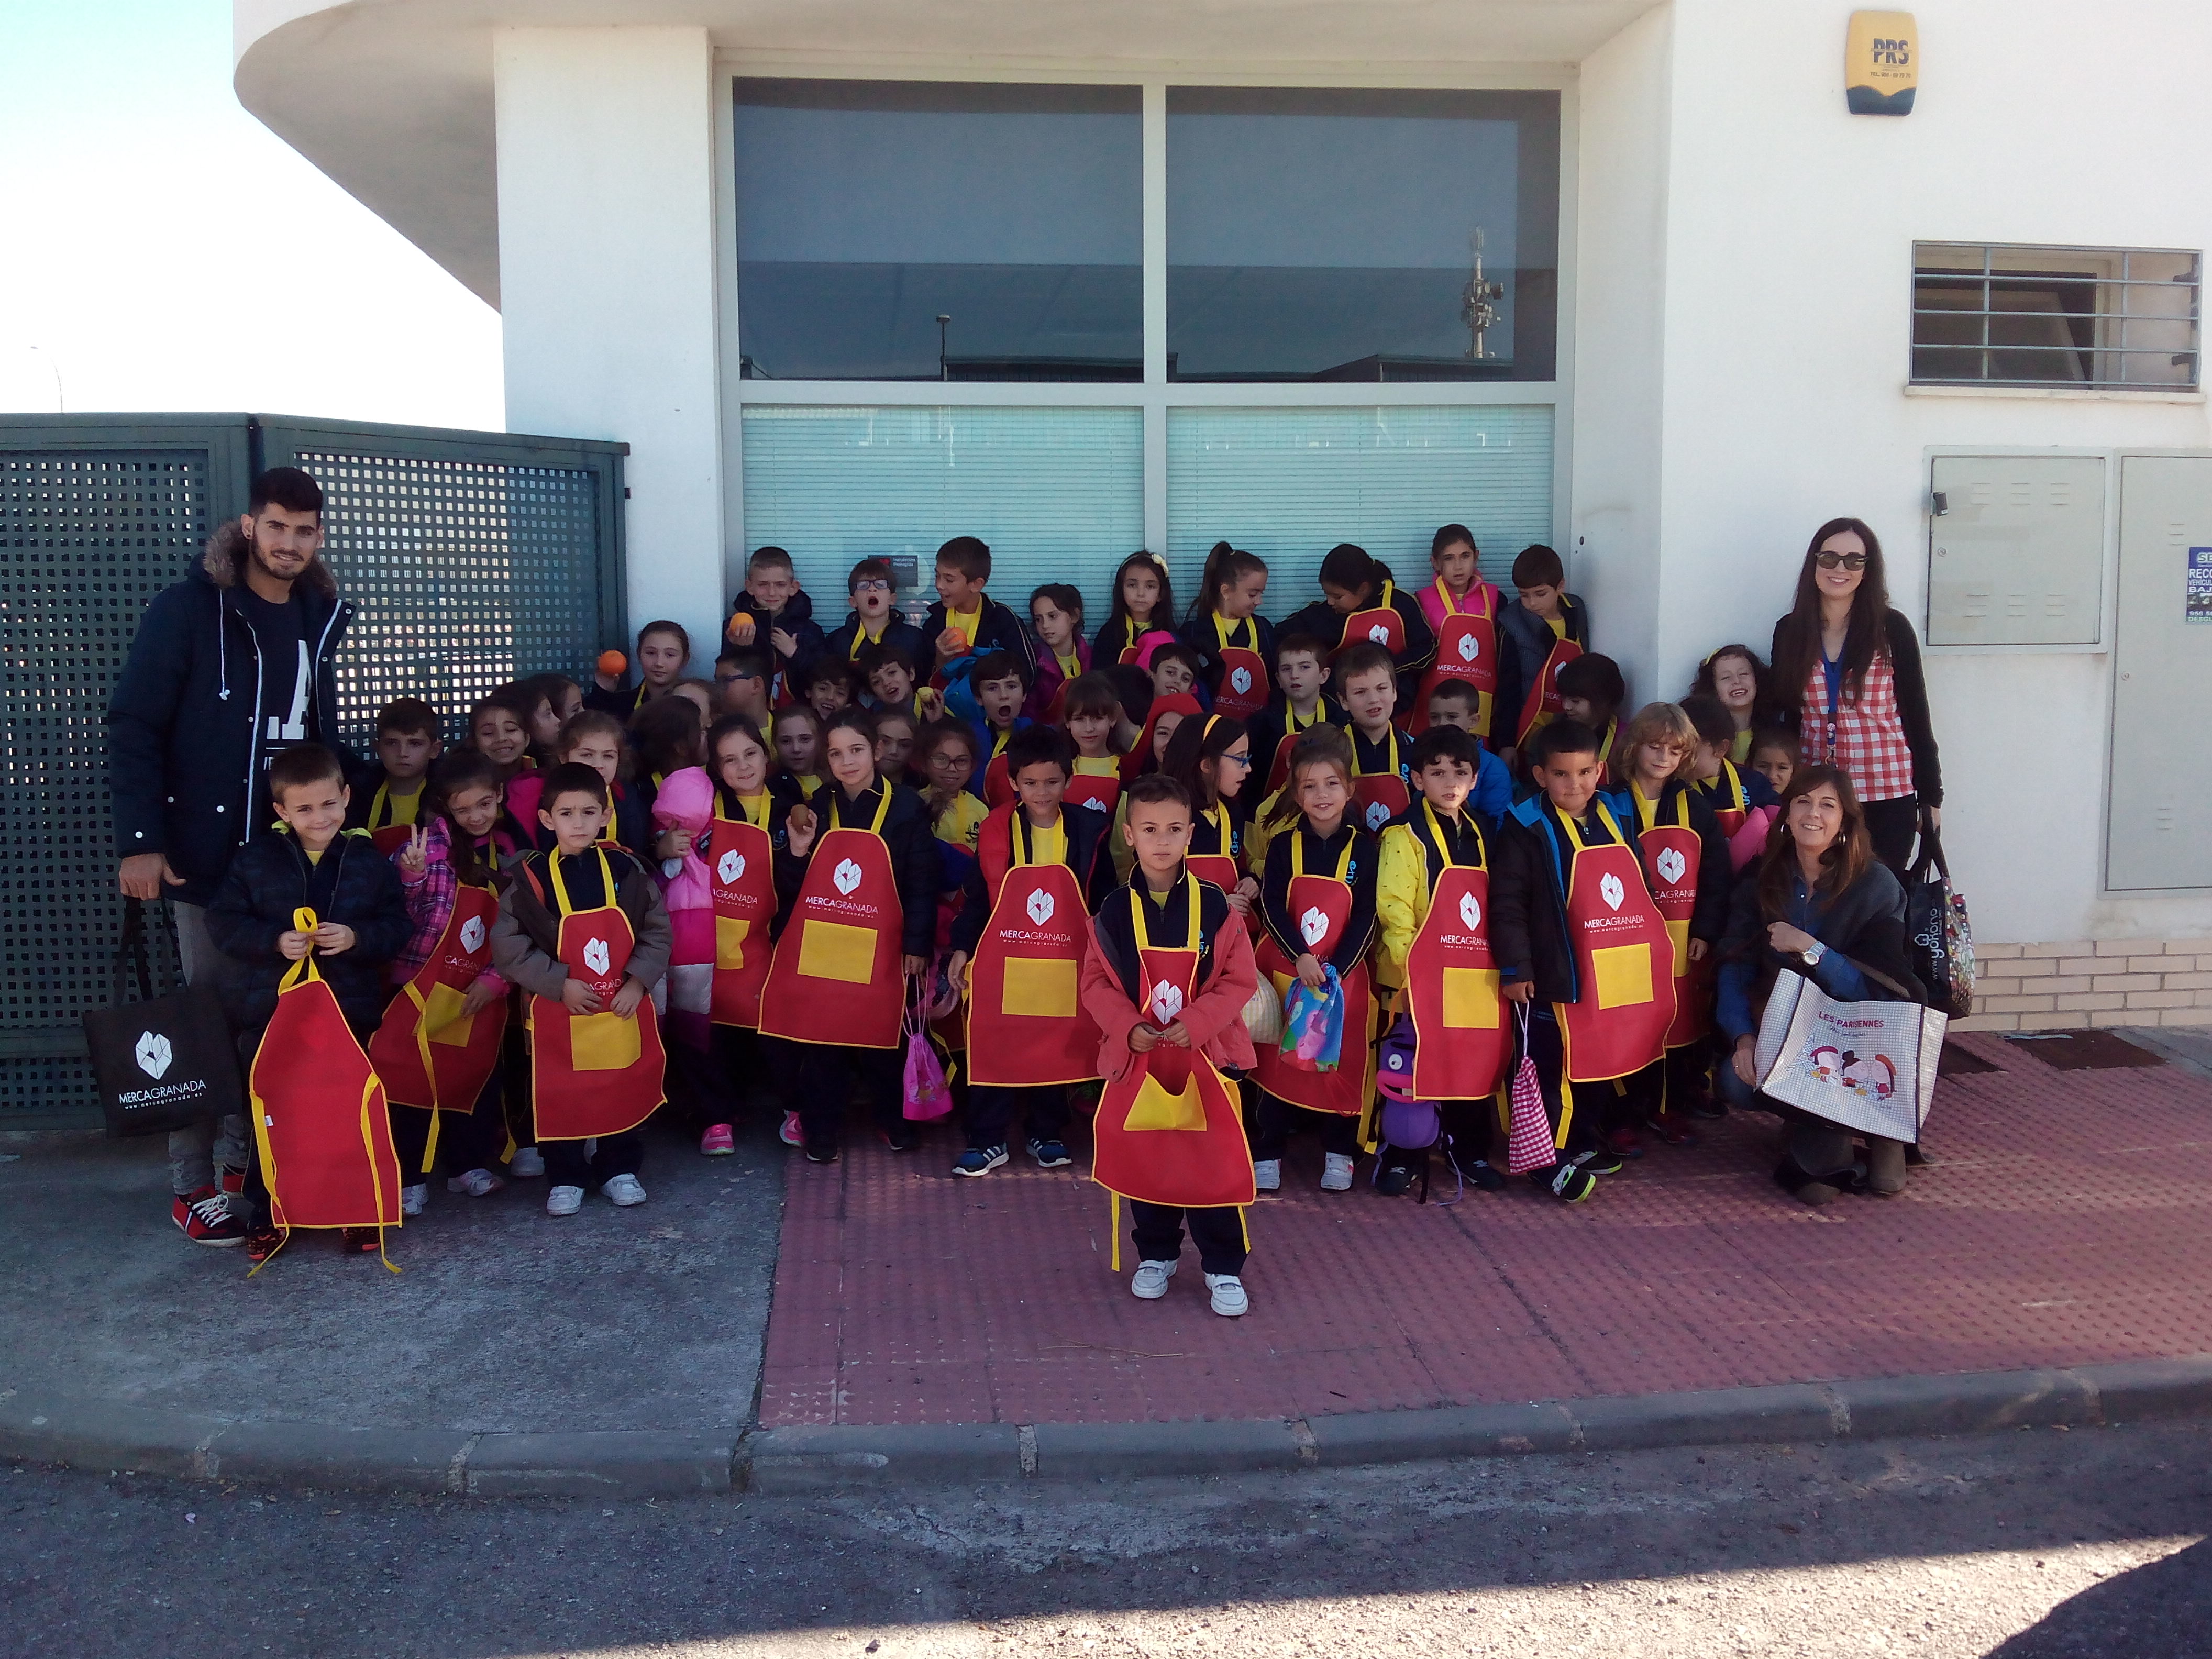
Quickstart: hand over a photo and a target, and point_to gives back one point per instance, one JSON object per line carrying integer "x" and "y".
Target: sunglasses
{"x": 1840, "y": 561}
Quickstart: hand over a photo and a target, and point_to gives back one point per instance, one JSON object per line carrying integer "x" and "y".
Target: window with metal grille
{"x": 2088, "y": 318}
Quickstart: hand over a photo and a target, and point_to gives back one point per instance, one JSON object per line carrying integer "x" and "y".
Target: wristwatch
{"x": 1811, "y": 954}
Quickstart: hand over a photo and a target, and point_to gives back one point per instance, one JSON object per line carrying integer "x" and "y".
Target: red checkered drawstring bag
{"x": 1529, "y": 1146}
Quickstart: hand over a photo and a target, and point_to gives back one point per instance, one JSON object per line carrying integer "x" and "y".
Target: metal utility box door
{"x": 2159, "y": 831}
{"x": 2017, "y": 557}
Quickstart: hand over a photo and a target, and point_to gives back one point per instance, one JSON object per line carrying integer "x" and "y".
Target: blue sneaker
{"x": 979, "y": 1161}
{"x": 1049, "y": 1154}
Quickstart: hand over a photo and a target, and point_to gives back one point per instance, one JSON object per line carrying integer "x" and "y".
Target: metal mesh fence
{"x": 471, "y": 558}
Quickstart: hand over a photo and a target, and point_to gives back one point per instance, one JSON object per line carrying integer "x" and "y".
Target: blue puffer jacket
{"x": 180, "y": 750}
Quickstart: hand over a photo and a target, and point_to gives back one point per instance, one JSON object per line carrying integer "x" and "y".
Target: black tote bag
{"x": 162, "y": 1062}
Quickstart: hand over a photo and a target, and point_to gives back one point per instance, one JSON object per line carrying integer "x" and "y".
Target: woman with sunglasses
{"x": 1847, "y": 680}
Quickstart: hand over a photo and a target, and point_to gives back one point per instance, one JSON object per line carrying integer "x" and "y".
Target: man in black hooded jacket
{"x": 231, "y": 665}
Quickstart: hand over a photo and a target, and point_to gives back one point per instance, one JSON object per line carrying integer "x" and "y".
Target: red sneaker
{"x": 1624, "y": 1143}
{"x": 234, "y": 1181}
{"x": 360, "y": 1241}
{"x": 206, "y": 1219}
{"x": 1671, "y": 1127}
{"x": 717, "y": 1142}
{"x": 262, "y": 1244}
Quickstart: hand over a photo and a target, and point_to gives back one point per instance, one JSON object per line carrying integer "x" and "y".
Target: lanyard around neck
{"x": 1647, "y": 811}
{"x": 560, "y": 887}
{"x": 1605, "y": 816}
{"x": 1137, "y": 905}
{"x": 1452, "y": 607}
{"x": 1298, "y": 854}
{"x": 1222, "y": 630}
{"x": 1025, "y": 834}
{"x": 882, "y": 810}
{"x": 1443, "y": 845}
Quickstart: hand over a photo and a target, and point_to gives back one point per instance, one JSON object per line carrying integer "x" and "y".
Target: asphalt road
{"x": 2031, "y": 1543}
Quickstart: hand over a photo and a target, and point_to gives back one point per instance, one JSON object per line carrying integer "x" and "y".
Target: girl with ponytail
{"x": 1361, "y": 600}
{"x": 1232, "y": 639}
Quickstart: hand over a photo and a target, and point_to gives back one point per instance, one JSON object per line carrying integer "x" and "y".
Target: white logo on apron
{"x": 847, "y": 876}
{"x": 596, "y": 956}
{"x": 153, "y": 1054}
{"x": 1671, "y": 864}
{"x": 1040, "y": 907}
{"x": 1469, "y": 912}
{"x": 1610, "y": 890}
{"x": 1377, "y": 815}
{"x": 730, "y": 866}
{"x": 472, "y": 935}
{"x": 1380, "y": 633}
{"x": 1312, "y": 926}
{"x": 1469, "y": 649}
{"x": 1240, "y": 680}
{"x": 1167, "y": 1002}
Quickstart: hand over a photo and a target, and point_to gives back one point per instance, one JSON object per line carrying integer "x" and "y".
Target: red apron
{"x": 1542, "y": 701}
{"x": 392, "y": 836}
{"x": 1279, "y": 768}
{"x": 1321, "y": 907}
{"x": 1026, "y": 1027}
{"x": 1130, "y": 634}
{"x": 1219, "y": 868}
{"x": 1380, "y": 622}
{"x": 1168, "y": 1130}
{"x": 1624, "y": 960}
{"x": 740, "y": 863}
{"x": 1378, "y": 797}
{"x": 1100, "y": 789}
{"x": 1673, "y": 854}
{"x": 1731, "y": 804}
{"x": 1244, "y": 688}
{"x": 998, "y": 781}
{"x": 593, "y": 1074}
{"x": 1467, "y": 649}
{"x": 1460, "y": 1048}
{"x": 319, "y": 1119}
{"x": 837, "y": 977}
{"x": 428, "y": 1052}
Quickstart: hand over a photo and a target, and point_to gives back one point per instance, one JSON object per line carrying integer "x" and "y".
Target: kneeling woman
{"x": 856, "y": 901}
{"x": 1818, "y": 904}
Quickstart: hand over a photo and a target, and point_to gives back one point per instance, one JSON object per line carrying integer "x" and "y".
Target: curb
{"x": 655, "y": 1463}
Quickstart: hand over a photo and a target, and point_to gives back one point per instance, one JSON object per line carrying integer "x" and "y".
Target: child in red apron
{"x": 1461, "y": 609}
{"x": 1041, "y": 868}
{"x": 390, "y": 800}
{"x": 1685, "y": 864}
{"x": 1063, "y": 654}
{"x": 1745, "y": 803}
{"x": 856, "y": 889}
{"x": 1234, "y": 641}
{"x": 1575, "y": 934}
{"x": 1317, "y": 906}
{"x": 1300, "y": 704}
{"x": 991, "y": 690}
{"x": 1544, "y": 629}
{"x": 359, "y": 923}
{"x": 450, "y": 1078}
{"x": 1211, "y": 757}
{"x": 1361, "y": 601}
{"x": 1089, "y": 712}
{"x": 1381, "y": 773}
{"x": 1144, "y": 603}
{"x": 583, "y": 932}
{"x": 1591, "y": 690}
{"x": 1165, "y": 979}
{"x": 1433, "y": 961}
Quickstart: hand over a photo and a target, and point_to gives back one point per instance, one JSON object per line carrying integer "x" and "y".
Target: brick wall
{"x": 2123, "y": 981}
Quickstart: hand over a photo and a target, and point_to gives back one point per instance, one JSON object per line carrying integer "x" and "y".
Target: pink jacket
{"x": 1215, "y": 1018}
{"x": 685, "y": 803}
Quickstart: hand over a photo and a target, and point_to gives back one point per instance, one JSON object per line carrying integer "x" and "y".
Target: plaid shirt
{"x": 1862, "y": 735}
{"x": 429, "y": 895}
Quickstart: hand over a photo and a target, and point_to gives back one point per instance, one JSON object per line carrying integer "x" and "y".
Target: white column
{"x": 607, "y": 282}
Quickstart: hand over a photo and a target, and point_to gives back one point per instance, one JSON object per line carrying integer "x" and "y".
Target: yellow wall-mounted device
{"x": 1882, "y": 63}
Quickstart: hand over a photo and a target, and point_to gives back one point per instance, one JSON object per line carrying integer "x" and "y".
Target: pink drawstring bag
{"x": 928, "y": 1095}
{"x": 1529, "y": 1145}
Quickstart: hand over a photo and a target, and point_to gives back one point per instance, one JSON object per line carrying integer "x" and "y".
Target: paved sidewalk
{"x": 500, "y": 1319}
{"x": 2065, "y": 1224}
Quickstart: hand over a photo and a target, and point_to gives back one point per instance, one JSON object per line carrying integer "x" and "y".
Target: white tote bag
{"x": 1867, "y": 1066}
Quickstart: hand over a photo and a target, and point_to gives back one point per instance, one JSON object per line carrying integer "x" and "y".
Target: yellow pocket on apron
{"x": 603, "y": 1042}
{"x": 1471, "y": 999}
{"x": 1154, "y": 1107}
{"x": 443, "y": 1017}
{"x": 1623, "y": 974}
{"x": 730, "y": 935}
{"x": 1039, "y": 987}
{"x": 831, "y": 950}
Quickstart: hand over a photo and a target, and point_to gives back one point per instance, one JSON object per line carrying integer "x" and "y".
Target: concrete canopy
{"x": 392, "y": 98}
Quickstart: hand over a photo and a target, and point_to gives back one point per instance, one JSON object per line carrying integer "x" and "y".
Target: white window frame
{"x": 1156, "y": 395}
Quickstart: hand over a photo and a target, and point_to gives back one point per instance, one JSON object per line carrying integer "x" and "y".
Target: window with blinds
{"x": 1057, "y": 492}
{"x": 1289, "y": 484}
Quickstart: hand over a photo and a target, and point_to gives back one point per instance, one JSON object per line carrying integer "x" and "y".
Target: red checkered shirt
{"x": 1862, "y": 734}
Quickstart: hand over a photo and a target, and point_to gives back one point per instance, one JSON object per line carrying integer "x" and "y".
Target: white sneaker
{"x": 624, "y": 1191}
{"x": 1335, "y": 1174}
{"x": 1229, "y": 1298}
{"x": 791, "y": 1134}
{"x": 1267, "y": 1173}
{"x": 476, "y": 1183}
{"x": 412, "y": 1199}
{"x": 564, "y": 1200}
{"x": 1151, "y": 1280}
{"x": 527, "y": 1164}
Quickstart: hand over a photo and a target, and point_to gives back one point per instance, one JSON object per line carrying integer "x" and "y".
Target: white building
{"x": 852, "y": 277}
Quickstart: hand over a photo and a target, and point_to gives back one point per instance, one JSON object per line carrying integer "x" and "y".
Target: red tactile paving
{"x": 2066, "y": 1223}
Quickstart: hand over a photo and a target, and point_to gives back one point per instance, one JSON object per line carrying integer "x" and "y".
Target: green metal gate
{"x": 472, "y": 557}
